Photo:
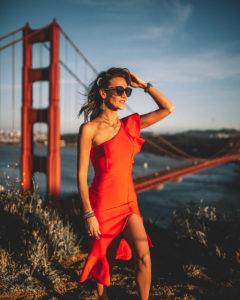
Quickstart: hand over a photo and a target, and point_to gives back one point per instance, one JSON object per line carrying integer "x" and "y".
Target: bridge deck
{"x": 156, "y": 179}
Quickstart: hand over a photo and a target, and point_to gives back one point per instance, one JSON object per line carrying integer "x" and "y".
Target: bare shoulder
{"x": 87, "y": 130}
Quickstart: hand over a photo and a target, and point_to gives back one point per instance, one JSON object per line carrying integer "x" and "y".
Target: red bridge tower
{"x": 31, "y": 163}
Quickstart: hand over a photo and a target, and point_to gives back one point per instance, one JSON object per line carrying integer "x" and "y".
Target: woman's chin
{"x": 121, "y": 106}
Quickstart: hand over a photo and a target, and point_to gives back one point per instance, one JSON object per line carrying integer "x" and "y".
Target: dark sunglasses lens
{"x": 128, "y": 92}
{"x": 120, "y": 91}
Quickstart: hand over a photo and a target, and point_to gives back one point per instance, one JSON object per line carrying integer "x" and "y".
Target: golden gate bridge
{"x": 41, "y": 64}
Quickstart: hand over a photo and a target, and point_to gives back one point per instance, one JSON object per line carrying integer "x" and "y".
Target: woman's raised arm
{"x": 165, "y": 106}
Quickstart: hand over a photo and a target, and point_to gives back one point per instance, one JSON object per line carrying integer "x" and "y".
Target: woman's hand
{"x": 136, "y": 81}
{"x": 92, "y": 227}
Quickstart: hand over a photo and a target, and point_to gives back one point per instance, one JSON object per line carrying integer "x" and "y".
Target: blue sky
{"x": 189, "y": 50}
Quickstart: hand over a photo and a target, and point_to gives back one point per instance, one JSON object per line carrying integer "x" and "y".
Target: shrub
{"x": 33, "y": 242}
{"x": 209, "y": 239}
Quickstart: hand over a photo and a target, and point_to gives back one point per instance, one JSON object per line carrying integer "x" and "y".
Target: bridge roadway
{"x": 156, "y": 180}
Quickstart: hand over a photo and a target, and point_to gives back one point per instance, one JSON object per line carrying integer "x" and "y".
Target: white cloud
{"x": 178, "y": 15}
{"x": 181, "y": 11}
{"x": 197, "y": 68}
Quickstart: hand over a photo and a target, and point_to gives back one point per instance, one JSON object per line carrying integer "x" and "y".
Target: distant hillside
{"x": 200, "y": 143}
{"x": 213, "y": 133}
{"x": 209, "y": 133}
{"x": 70, "y": 138}
{"x": 220, "y": 133}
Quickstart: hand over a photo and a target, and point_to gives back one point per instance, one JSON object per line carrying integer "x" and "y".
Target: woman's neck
{"x": 109, "y": 115}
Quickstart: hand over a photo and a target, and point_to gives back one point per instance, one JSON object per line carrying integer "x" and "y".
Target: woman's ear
{"x": 103, "y": 93}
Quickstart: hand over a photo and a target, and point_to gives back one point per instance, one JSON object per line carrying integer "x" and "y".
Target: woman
{"x": 110, "y": 209}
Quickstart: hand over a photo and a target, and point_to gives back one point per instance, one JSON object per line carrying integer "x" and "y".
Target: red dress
{"x": 113, "y": 199}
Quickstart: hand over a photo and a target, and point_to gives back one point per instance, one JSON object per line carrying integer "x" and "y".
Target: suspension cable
{"x": 170, "y": 154}
{"x": 193, "y": 157}
{"x": 184, "y": 154}
{"x": 70, "y": 71}
{"x": 78, "y": 51}
{"x": 11, "y": 33}
{"x": 13, "y": 113}
{"x": 75, "y": 85}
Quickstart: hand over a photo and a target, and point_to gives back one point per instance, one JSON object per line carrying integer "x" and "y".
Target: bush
{"x": 33, "y": 242}
{"x": 210, "y": 240}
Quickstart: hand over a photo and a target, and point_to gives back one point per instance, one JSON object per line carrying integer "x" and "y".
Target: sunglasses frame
{"x": 120, "y": 90}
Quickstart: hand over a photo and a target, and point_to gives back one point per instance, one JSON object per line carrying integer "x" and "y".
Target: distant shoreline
{"x": 196, "y": 143}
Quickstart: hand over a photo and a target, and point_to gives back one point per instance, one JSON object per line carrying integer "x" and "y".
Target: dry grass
{"x": 33, "y": 242}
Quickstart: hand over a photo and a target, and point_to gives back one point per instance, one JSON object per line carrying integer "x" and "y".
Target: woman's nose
{"x": 124, "y": 95}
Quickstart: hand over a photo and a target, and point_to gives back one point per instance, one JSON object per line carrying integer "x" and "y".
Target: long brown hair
{"x": 94, "y": 99}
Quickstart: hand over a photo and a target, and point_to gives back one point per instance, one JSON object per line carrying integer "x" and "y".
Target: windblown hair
{"x": 94, "y": 99}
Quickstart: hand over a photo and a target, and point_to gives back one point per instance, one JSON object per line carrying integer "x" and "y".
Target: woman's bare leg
{"x": 135, "y": 234}
{"x": 102, "y": 291}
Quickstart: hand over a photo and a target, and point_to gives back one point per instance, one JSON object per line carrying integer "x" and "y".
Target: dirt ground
{"x": 165, "y": 286}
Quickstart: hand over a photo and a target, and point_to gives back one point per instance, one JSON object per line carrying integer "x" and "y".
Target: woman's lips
{"x": 122, "y": 101}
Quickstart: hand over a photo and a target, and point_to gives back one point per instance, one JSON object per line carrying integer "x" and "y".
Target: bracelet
{"x": 147, "y": 87}
{"x": 88, "y": 215}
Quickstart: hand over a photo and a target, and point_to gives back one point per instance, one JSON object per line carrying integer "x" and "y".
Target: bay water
{"x": 218, "y": 186}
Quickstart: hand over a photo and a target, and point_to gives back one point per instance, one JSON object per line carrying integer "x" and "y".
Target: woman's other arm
{"x": 84, "y": 146}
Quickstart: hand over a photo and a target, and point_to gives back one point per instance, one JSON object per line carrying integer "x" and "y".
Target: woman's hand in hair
{"x": 136, "y": 81}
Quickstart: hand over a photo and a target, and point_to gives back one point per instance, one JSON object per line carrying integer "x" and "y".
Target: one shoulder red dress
{"x": 113, "y": 199}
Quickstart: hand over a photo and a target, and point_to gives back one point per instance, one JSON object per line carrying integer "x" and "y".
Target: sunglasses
{"x": 120, "y": 90}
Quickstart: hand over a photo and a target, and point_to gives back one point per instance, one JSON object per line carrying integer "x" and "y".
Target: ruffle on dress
{"x": 132, "y": 126}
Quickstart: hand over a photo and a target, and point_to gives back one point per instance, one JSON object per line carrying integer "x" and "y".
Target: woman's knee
{"x": 143, "y": 261}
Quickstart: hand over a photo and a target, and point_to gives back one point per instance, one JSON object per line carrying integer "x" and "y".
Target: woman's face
{"x": 112, "y": 99}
